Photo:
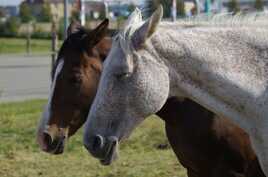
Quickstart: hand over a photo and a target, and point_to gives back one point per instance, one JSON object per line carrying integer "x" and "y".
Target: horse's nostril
{"x": 98, "y": 143}
{"x": 47, "y": 139}
{"x": 113, "y": 140}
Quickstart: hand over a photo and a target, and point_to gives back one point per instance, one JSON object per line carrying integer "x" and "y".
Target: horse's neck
{"x": 222, "y": 69}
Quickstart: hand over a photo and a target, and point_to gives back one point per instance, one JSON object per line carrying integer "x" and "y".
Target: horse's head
{"x": 133, "y": 85}
{"x": 74, "y": 83}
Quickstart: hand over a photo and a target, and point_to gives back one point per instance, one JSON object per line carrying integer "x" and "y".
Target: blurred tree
{"x": 89, "y": 17}
{"x": 180, "y": 8}
{"x": 25, "y": 13}
{"x": 233, "y": 6}
{"x": 258, "y": 5}
{"x": 75, "y": 15}
{"x": 151, "y": 5}
{"x": 120, "y": 21}
{"x": 2, "y": 28}
{"x": 45, "y": 13}
{"x": 131, "y": 7}
{"x": 102, "y": 14}
{"x": 61, "y": 29}
{"x": 2, "y": 12}
{"x": 12, "y": 26}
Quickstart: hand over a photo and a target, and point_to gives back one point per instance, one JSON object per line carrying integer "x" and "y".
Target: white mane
{"x": 133, "y": 23}
{"x": 219, "y": 20}
{"x": 224, "y": 20}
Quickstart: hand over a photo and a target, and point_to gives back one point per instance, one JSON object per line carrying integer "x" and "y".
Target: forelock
{"x": 124, "y": 36}
{"x": 75, "y": 41}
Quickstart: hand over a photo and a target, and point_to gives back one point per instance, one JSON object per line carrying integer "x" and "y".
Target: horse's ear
{"x": 143, "y": 33}
{"x": 95, "y": 36}
{"x": 73, "y": 27}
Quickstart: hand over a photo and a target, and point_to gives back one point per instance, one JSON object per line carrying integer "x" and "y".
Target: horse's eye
{"x": 123, "y": 75}
{"x": 72, "y": 79}
{"x": 76, "y": 81}
{"x": 75, "y": 121}
{"x": 75, "y": 104}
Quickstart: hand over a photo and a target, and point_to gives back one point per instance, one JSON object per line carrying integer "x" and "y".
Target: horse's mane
{"x": 222, "y": 20}
{"x": 219, "y": 20}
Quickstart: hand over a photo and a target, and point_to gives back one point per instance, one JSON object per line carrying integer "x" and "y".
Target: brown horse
{"x": 206, "y": 146}
{"x": 75, "y": 79}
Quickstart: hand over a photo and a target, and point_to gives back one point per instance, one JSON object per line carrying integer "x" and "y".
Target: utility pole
{"x": 28, "y": 40}
{"x": 174, "y": 10}
{"x": 66, "y": 17}
{"x": 208, "y": 7}
{"x": 197, "y": 3}
{"x": 219, "y": 2}
{"x": 106, "y": 6}
{"x": 83, "y": 13}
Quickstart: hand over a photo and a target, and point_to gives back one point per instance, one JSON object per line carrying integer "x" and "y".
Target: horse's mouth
{"x": 59, "y": 148}
{"x": 111, "y": 154}
{"x": 56, "y": 148}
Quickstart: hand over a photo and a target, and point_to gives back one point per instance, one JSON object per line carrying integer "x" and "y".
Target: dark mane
{"x": 75, "y": 41}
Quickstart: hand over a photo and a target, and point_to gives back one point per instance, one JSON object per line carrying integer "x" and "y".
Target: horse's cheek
{"x": 156, "y": 92}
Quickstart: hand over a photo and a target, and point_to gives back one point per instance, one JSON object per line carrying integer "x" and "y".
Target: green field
{"x": 20, "y": 156}
{"x": 18, "y": 46}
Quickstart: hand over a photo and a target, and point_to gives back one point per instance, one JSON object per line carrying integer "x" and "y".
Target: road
{"x": 24, "y": 77}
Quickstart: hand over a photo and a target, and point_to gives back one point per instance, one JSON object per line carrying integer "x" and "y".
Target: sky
{"x": 9, "y": 2}
{"x": 15, "y": 2}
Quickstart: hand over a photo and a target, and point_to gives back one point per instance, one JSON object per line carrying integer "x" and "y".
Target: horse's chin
{"x": 40, "y": 141}
{"x": 59, "y": 149}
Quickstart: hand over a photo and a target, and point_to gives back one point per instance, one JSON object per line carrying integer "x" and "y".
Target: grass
{"x": 18, "y": 46}
{"x": 21, "y": 157}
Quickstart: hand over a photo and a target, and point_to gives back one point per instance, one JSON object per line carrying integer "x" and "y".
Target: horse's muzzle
{"x": 103, "y": 148}
{"x": 52, "y": 139}
{"x": 53, "y": 146}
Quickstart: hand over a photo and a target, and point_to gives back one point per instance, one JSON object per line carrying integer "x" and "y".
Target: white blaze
{"x": 47, "y": 111}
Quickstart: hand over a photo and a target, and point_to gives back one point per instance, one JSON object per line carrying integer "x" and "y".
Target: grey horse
{"x": 222, "y": 67}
